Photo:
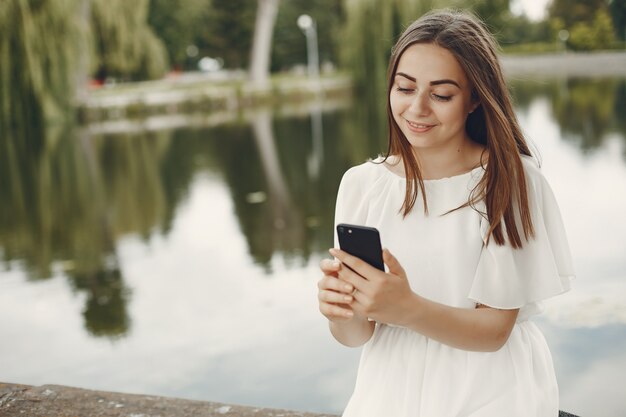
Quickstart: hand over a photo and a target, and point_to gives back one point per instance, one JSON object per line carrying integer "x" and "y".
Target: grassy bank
{"x": 198, "y": 93}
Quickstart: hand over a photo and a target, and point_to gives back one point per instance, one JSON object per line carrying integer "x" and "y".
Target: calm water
{"x": 183, "y": 262}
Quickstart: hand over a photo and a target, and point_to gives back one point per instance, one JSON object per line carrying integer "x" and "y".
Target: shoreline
{"x": 566, "y": 64}
{"x": 210, "y": 96}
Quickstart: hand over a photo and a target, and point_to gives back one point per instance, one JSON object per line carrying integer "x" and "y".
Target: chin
{"x": 421, "y": 143}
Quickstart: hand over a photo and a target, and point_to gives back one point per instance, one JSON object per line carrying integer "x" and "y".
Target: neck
{"x": 455, "y": 159}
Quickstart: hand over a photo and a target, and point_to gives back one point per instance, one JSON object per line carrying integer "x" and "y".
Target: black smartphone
{"x": 362, "y": 242}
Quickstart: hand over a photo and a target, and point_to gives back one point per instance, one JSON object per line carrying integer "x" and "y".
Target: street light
{"x": 314, "y": 161}
{"x": 308, "y": 26}
{"x": 563, "y": 36}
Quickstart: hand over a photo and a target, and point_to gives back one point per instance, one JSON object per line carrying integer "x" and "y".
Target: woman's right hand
{"x": 334, "y": 295}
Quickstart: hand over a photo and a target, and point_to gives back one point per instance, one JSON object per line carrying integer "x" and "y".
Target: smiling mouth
{"x": 418, "y": 126}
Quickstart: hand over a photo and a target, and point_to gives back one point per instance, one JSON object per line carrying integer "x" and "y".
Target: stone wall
{"x": 60, "y": 401}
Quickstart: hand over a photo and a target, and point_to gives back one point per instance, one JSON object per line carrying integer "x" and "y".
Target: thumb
{"x": 393, "y": 264}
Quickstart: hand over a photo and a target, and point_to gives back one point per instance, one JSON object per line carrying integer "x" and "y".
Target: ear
{"x": 474, "y": 102}
{"x": 473, "y": 106}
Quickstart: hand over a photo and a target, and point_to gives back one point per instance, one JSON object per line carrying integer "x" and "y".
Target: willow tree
{"x": 39, "y": 50}
{"x": 49, "y": 47}
{"x": 125, "y": 45}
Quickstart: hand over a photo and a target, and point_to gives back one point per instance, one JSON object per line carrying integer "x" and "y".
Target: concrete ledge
{"x": 60, "y": 401}
{"x": 591, "y": 64}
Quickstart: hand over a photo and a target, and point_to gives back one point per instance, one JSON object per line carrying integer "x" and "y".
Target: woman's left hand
{"x": 381, "y": 296}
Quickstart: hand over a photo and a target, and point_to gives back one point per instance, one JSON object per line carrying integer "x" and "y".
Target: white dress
{"x": 403, "y": 373}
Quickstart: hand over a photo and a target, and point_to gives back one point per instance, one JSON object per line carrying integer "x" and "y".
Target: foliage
{"x": 39, "y": 50}
{"x": 290, "y": 43}
{"x": 227, "y": 32}
{"x": 45, "y": 49}
{"x": 618, "y": 14}
{"x": 495, "y": 13}
{"x": 593, "y": 24}
{"x": 178, "y": 24}
{"x": 125, "y": 45}
{"x": 597, "y": 35}
{"x": 518, "y": 30}
{"x": 575, "y": 11}
{"x": 225, "y": 29}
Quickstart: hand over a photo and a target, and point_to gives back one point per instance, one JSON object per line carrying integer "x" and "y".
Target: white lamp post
{"x": 308, "y": 26}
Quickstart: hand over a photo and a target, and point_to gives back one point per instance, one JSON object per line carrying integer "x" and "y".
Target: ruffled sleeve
{"x": 510, "y": 278}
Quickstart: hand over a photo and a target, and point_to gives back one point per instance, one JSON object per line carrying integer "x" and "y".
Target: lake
{"x": 182, "y": 261}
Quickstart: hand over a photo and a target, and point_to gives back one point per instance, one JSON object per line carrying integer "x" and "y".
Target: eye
{"x": 404, "y": 90}
{"x": 439, "y": 97}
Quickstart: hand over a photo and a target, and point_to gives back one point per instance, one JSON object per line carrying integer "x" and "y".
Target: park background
{"x": 168, "y": 172}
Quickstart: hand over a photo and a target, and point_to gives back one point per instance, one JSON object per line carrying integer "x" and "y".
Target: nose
{"x": 420, "y": 104}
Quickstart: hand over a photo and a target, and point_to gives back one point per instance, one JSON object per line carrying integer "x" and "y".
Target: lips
{"x": 418, "y": 127}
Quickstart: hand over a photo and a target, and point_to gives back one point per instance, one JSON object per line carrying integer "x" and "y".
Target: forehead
{"x": 428, "y": 62}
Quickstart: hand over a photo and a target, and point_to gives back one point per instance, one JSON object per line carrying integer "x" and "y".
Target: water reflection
{"x": 586, "y": 110}
{"x": 182, "y": 240}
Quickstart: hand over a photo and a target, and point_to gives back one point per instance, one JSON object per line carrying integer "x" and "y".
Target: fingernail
{"x": 348, "y": 287}
{"x": 349, "y": 313}
{"x": 333, "y": 251}
{"x": 336, "y": 264}
{"x": 347, "y": 298}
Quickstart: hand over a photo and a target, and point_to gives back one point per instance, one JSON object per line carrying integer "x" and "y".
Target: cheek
{"x": 398, "y": 104}
{"x": 454, "y": 114}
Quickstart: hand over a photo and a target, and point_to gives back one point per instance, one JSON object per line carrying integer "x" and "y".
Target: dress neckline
{"x": 379, "y": 161}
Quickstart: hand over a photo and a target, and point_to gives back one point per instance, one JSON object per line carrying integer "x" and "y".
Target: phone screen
{"x": 362, "y": 242}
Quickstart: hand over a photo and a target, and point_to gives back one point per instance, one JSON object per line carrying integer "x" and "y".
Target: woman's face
{"x": 431, "y": 98}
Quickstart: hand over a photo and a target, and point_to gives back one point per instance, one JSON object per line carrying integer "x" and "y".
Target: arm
{"x": 387, "y": 297}
{"x": 347, "y": 328}
{"x": 482, "y": 329}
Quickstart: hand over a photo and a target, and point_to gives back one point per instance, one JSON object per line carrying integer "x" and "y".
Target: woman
{"x": 476, "y": 235}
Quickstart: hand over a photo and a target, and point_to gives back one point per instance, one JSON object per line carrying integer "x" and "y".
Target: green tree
{"x": 39, "y": 51}
{"x": 178, "y": 24}
{"x": 289, "y": 46}
{"x": 598, "y": 34}
{"x": 618, "y": 14}
{"x": 494, "y": 12}
{"x": 519, "y": 29}
{"x": 125, "y": 45}
{"x": 48, "y": 48}
{"x": 575, "y": 11}
{"x": 228, "y": 32}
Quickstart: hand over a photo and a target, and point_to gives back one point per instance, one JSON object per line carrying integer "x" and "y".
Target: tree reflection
{"x": 587, "y": 110}
{"x": 67, "y": 198}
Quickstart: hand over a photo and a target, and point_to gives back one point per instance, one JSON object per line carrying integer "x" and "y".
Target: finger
{"x": 334, "y": 297}
{"x": 329, "y": 265}
{"x": 359, "y": 304}
{"x": 331, "y": 282}
{"x": 356, "y": 264}
{"x": 333, "y": 311}
{"x": 349, "y": 277}
{"x": 393, "y": 264}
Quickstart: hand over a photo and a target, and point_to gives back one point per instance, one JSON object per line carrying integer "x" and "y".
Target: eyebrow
{"x": 436, "y": 82}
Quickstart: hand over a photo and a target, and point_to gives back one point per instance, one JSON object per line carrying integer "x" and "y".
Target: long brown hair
{"x": 492, "y": 124}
